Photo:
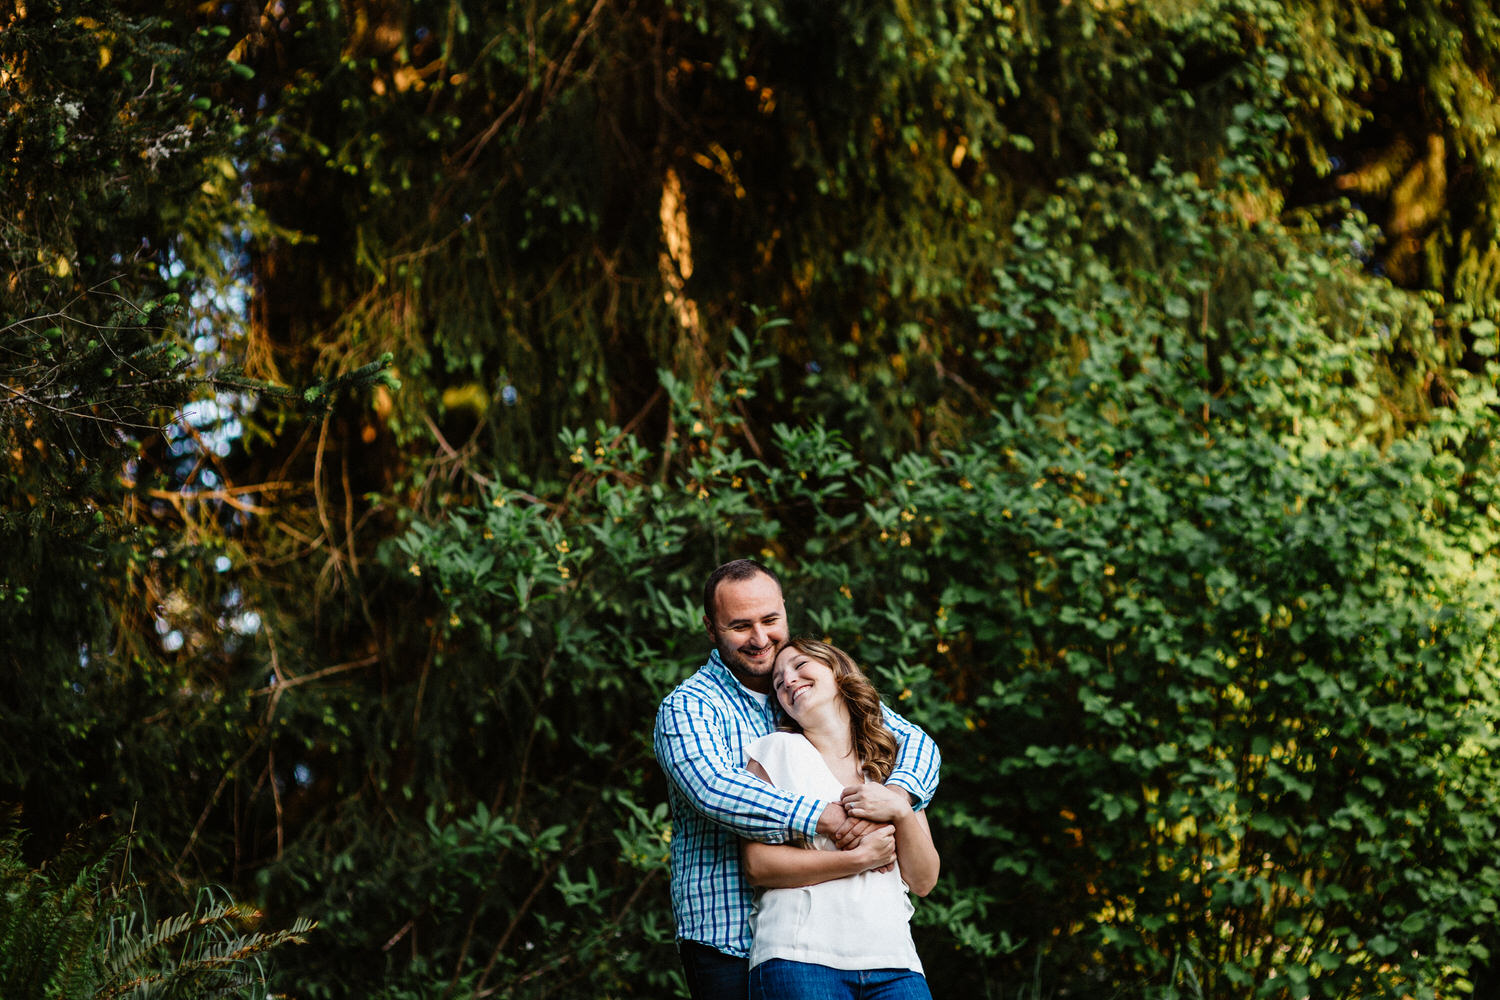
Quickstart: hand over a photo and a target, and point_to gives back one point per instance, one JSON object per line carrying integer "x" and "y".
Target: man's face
{"x": 748, "y": 628}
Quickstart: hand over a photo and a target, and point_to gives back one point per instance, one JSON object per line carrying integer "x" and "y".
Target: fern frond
{"x": 75, "y": 928}
{"x": 51, "y": 917}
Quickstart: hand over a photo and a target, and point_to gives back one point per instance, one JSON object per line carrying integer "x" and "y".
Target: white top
{"x": 858, "y": 922}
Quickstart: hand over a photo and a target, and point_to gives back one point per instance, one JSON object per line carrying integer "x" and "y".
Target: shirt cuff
{"x": 805, "y": 815}
{"x": 909, "y": 782}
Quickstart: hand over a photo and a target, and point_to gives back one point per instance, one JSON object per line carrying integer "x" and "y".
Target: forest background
{"x": 1114, "y": 379}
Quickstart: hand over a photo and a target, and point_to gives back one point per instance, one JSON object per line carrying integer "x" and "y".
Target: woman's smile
{"x": 795, "y": 677}
{"x": 792, "y": 691}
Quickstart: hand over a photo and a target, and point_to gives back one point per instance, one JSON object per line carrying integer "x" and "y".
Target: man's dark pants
{"x": 713, "y": 975}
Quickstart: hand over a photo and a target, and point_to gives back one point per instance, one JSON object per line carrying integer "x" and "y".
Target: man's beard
{"x": 738, "y": 666}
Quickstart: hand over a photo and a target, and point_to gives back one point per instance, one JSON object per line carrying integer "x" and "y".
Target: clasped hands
{"x": 863, "y": 820}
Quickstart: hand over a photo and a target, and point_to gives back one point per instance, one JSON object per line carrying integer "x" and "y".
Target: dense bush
{"x": 1200, "y": 627}
{"x": 1216, "y": 622}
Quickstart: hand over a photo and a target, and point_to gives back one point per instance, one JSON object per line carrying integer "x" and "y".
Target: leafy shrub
{"x": 77, "y": 926}
{"x": 1200, "y": 625}
{"x": 1215, "y": 624}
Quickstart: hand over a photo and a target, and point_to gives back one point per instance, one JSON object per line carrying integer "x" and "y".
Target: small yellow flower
{"x": 905, "y": 694}
{"x": 964, "y": 483}
{"x": 563, "y": 571}
{"x": 1109, "y": 571}
{"x": 454, "y": 620}
{"x": 942, "y": 614}
{"x": 1006, "y": 513}
{"x": 846, "y": 592}
{"x": 969, "y": 723}
{"x": 905, "y": 539}
{"x": 577, "y": 456}
{"x": 702, "y": 493}
{"x": 942, "y": 647}
{"x": 562, "y": 546}
{"x": 802, "y": 473}
{"x": 488, "y": 534}
{"x": 697, "y": 427}
{"x": 742, "y": 392}
{"x": 598, "y": 450}
{"x": 767, "y": 554}
{"x": 414, "y": 569}
{"x": 735, "y": 482}
{"x": 907, "y": 515}
{"x": 885, "y": 536}
{"x": 499, "y": 502}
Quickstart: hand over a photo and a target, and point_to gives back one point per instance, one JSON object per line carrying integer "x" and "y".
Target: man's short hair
{"x": 734, "y": 571}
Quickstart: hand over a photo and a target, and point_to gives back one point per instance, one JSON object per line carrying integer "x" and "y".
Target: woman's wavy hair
{"x": 875, "y": 744}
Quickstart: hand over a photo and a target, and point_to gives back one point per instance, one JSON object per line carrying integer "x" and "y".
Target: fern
{"x": 78, "y": 928}
{"x": 201, "y": 953}
{"x": 50, "y": 919}
{"x": 133, "y": 950}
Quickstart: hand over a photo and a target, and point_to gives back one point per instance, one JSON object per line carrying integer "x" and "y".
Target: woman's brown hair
{"x": 873, "y": 742}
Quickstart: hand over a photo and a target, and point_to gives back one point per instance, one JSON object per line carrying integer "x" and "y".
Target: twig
{"x": 339, "y": 668}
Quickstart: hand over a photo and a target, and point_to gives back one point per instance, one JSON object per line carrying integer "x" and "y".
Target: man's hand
{"x": 876, "y": 802}
{"x": 844, "y": 830}
{"x": 848, "y": 833}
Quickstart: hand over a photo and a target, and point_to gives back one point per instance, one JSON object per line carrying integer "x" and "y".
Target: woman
{"x": 830, "y": 922}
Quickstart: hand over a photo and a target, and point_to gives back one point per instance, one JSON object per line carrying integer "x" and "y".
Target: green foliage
{"x": 1130, "y": 478}
{"x": 49, "y": 924}
{"x": 104, "y": 150}
{"x": 76, "y": 927}
{"x": 1199, "y": 622}
{"x": 1232, "y": 642}
{"x": 118, "y": 157}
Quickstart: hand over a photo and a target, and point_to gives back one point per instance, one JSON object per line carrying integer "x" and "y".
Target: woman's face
{"x": 802, "y": 683}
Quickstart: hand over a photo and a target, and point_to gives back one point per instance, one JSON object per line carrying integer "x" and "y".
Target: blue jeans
{"x": 778, "y": 979}
{"x": 711, "y": 974}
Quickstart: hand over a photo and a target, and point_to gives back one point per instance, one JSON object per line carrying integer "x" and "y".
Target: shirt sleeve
{"x": 691, "y": 748}
{"x": 917, "y": 759}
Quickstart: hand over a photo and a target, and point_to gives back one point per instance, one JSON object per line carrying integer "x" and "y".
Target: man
{"x": 702, "y": 729}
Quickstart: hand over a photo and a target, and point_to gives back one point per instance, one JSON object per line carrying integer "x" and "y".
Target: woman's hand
{"x": 877, "y": 849}
{"x": 876, "y": 802}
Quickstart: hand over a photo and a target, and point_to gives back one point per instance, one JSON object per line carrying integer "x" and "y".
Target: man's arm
{"x": 692, "y": 751}
{"x": 917, "y": 760}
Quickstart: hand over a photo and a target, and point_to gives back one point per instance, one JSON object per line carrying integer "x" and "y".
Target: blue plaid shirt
{"x": 702, "y": 729}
